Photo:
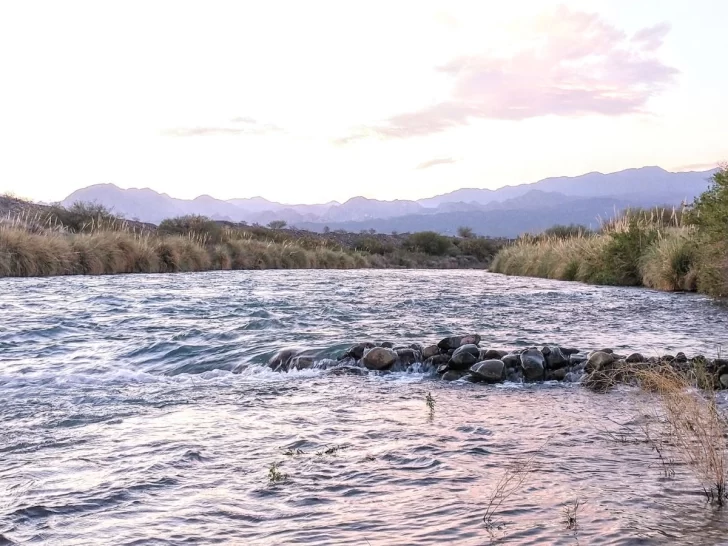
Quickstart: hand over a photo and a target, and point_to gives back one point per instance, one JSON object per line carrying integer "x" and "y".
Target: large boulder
{"x": 555, "y": 359}
{"x": 464, "y": 357}
{"x": 492, "y": 354}
{"x": 512, "y": 361}
{"x": 437, "y": 360}
{"x": 379, "y": 358}
{"x": 301, "y": 363}
{"x": 598, "y": 360}
{"x": 533, "y": 365}
{"x": 456, "y": 341}
{"x": 490, "y": 371}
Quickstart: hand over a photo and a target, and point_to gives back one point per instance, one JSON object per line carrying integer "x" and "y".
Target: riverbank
{"x": 666, "y": 249}
{"x": 38, "y": 241}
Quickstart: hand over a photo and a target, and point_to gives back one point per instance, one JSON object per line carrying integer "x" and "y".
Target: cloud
{"x": 433, "y": 162}
{"x": 241, "y": 126}
{"x": 574, "y": 64}
{"x": 698, "y": 167}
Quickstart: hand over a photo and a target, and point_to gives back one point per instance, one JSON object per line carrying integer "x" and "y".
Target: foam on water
{"x": 141, "y": 408}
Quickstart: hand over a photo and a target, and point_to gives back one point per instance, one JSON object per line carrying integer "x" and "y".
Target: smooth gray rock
{"x": 301, "y": 363}
{"x": 464, "y": 357}
{"x": 282, "y": 359}
{"x": 556, "y": 375}
{"x": 724, "y": 380}
{"x": 575, "y": 359}
{"x": 598, "y": 360}
{"x": 357, "y": 351}
{"x": 490, "y": 371}
{"x": 456, "y": 341}
{"x": 437, "y": 360}
{"x": 512, "y": 361}
{"x": 452, "y": 375}
{"x": 554, "y": 358}
{"x": 681, "y": 358}
{"x": 492, "y": 354}
{"x": 379, "y": 358}
{"x": 532, "y": 364}
{"x": 635, "y": 358}
{"x": 387, "y": 345}
{"x": 430, "y": 351}
{"x": 408, "y": 356}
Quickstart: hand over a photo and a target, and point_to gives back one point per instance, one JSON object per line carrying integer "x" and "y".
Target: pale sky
{"x": 311, "y": 101}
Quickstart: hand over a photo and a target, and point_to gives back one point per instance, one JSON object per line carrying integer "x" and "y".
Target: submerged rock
{"x": 490, "y": 371}
{"x": 347, "y": 370}
{"x": 532, "y": 364}
{"x": 379, "y": 358}
{"x": 301, "y": 363}
{"x": 281, "y": 360}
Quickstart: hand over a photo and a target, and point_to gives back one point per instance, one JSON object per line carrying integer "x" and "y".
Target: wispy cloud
{"x": 576, "y": 64}
{"x": 697, "y": 167}
{"x": 237, "y": 126}
{"x": 433, "y": 162}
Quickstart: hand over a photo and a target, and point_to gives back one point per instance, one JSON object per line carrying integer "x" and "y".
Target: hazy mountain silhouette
{"x": 506, "y": 211}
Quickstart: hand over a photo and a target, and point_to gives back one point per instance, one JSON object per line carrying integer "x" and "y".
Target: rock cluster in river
{"x": 463, "y": 357}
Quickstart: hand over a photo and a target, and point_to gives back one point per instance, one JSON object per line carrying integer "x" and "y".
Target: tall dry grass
{"x": 692, "y": 425}
{"x": 640, "y": 248}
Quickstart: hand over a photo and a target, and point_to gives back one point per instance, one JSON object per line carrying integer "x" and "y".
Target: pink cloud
{"x": 576, "y": 64}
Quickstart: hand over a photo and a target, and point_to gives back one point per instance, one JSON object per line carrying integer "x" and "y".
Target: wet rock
{"x": 408, "y": 356}
{"x": 417, "y": 347}
{"x": 456, "y": 341}
{"x": 576, "y": 359}
{"x": 512, "y": 361}
{"x": 598, "y": 381}
{"x": 387, "y": 344}
{"x": 464, "y": 357}
{"x": 554, "y": 358}
{"x": 452, "y": 375}
{"x": 437, "y": 360}
{"x": 635, "y": 358}
{"x": 568, "y": 351}
{"x": 490, "y": 371}
{"x": 608, "y": 351}
{"x": 724, "y": 381}
{"x": 514, "y": 375}
{"x": 430, "y": 351}
{"x": 598, "y": 360}
{"x": 556, "y": 375}
{"x": 282, "y": 359}
{"x": 667, "y": 358}
{"x": 301, "y": 363}
{"x": 442, "y": 368}
{"x": 532, "y": 364}
{"x": 379, "y": 358}
{"x": 492, "y": 354}
{"x": 681, "y": 358}
{"x": 357, "y": 351}
{"x": 720, "y": 362}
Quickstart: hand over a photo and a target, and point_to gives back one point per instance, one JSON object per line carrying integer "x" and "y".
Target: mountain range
{"x": 505, "y": 212}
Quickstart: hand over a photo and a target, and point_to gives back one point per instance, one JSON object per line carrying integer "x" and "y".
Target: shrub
{"x": 566, "y": 232}
{"x": 202, "y": 229}
{"x": 465, "y": 232}
{"x": 428, "y": 242}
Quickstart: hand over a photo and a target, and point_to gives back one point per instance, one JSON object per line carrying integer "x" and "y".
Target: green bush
{"x": 709, "y": 214}
{"x": 428, "y": 242}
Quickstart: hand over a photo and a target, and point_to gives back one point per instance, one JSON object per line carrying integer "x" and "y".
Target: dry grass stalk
{"x": 694, "y": 425}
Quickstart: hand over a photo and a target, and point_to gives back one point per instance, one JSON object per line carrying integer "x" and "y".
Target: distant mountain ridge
{"x": 507, "y": 211}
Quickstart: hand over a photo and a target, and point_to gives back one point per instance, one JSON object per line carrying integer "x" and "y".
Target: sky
{"x": 308, "y": 102}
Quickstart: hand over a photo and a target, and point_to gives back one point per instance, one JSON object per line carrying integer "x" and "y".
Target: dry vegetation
{"x": 662, "y": 248}
{"x": 88, "y": 240}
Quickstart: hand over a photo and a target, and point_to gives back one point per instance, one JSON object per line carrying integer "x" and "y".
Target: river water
{"x": 137, "y": 410}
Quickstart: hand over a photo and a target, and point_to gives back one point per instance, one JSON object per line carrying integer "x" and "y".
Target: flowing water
{"x": 138, "y": 410}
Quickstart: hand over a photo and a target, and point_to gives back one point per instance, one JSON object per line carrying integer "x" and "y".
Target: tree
{"x": 327, "y": 229}
{"x": 277, "y": 224}
{"x": 428, "y": 242}
{"x": 466, "y": 232}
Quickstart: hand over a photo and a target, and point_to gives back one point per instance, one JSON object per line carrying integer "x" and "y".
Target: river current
{"x": 138, "y": 409}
